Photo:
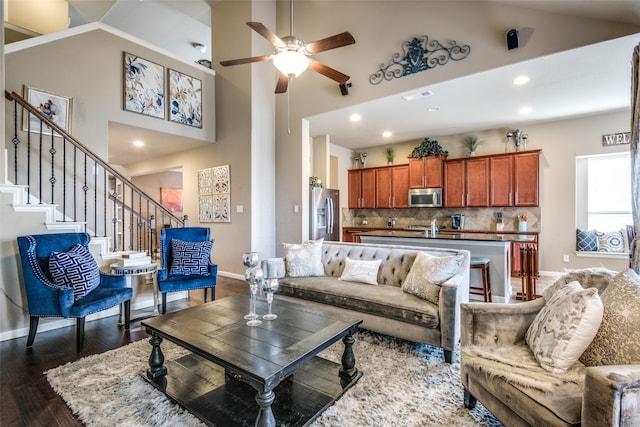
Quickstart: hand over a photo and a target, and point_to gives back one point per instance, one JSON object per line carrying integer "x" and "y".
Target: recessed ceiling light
{"x": 525, "y": 110}
{"x": 138, "y": 143}
{"x": 355, "y": 117}
{"x": 432, "y": 109}
{"x": 387, "y": 134}
{"x": 417, "y": 95}
{"x": 520, "y": 80}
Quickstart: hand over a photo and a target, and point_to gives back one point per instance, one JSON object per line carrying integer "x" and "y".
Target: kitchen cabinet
{"x": 392, "y": 187}
{"x": 425, "y": 172}
{"x": 361, "y": 189}
{"x": 466, "y": 183}
{"x": 526, "y": 178}
{"x": 494, "y": 180}
{"x": 501, "y": 180}
{"x": 349, "y": 233}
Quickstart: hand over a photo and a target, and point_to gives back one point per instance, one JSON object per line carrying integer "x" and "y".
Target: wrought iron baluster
{"x": 95, "y": 198}
{"x": 64, "y": 179}
{"x": 85, "y": 188}
{"x": 52, "y": 179}
{"x": 104, "y": 203}
{"x": 75, "y": 183}
{"x": 29, "y": 160}
{"x": 16, "y": 142}
{"x": 40, "y": 166}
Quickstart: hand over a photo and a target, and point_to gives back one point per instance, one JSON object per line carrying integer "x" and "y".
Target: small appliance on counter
{"x": 457, "y": 222}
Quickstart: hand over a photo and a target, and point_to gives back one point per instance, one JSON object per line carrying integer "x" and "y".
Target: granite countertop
{"x": 448, "y": 235}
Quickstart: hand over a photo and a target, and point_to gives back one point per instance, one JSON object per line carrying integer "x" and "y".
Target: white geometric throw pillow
{"x": 565, "y": 327}
{"x": 361, "y": 271}
{"x": 428, "y": 272}
{"x": 304, "y": 259}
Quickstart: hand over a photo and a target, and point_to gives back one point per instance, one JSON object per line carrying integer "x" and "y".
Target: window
{"x": 603, "y": 192}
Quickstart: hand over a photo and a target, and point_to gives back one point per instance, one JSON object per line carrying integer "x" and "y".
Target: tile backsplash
{"x": 476, "y": 219}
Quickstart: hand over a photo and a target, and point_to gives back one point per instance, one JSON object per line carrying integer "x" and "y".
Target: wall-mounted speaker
{"x": 344, "y": 88}
{"x": 512, "y": 39}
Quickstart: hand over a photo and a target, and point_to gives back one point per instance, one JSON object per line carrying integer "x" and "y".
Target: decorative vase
{"x": 522, "y": 226}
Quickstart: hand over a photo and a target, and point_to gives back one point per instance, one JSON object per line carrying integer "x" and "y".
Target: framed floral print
{"x": 143, "y": 86}
{"x": 185, "y": 99}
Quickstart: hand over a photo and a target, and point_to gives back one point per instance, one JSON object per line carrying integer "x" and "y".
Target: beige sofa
{"x": 386, "y": 308}
{"x": 499, "y": 369}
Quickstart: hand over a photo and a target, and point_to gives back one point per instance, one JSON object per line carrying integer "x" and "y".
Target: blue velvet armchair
{"x": 186, "y": 262}
{"x": 50, "y": 295}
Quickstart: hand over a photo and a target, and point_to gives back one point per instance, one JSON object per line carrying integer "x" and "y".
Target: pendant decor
{"x": 420, "y": 54}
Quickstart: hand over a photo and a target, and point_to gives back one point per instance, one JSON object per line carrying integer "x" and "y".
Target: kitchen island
{"x": 494, "y": 246}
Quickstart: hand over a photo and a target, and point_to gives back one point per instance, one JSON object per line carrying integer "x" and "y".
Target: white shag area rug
{"x": 403, "y": 384}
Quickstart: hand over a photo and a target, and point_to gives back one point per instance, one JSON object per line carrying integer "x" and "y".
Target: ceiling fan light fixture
{"x": 290, "y": 62}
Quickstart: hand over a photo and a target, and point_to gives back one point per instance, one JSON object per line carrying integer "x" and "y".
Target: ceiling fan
{"x": 293, "y": 54}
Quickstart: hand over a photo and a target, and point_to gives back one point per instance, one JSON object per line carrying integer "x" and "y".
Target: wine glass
{"x": 254, "y": 276}
{"x": 270, "y": 286}
{"x": 273, "y": 270}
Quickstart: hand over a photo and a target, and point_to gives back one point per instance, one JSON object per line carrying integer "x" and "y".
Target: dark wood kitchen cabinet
{"x": 425, "y": 172}
{"x": 362, "y": 187}
{"x": 526, "y": 178}
{"x": 501, "y": 180}
{"x": 466, "y": 183}
{"x": 392, "y": 187}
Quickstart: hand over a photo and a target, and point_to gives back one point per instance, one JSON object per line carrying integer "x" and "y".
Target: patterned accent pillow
{"x": 75, "y": 269}
{"x": 190, "y": 257}
{"x": 428, "y": 272}
{"x": 361, "y": 271}
{"x": 304, "y": 259}
{"x": 610, "y": 241}
{"x": 565, "y": 326}
{"x": 586, "y": 240}
{"x": 618, "y": 339}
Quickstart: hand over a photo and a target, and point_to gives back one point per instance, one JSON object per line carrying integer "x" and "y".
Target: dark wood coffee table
{"x": 231, "y": 361}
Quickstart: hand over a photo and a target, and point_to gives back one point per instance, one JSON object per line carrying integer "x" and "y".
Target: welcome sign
{"x": 616, "y": 139}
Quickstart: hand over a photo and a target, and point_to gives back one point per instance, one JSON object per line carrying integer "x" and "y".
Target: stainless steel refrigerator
{"x": 325, "y": 214}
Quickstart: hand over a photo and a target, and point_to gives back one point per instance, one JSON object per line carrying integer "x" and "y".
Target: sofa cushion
{"x": 189, "y": 258}
{"x": 586, "y": 240}
{"x": 361, "y": 271}
{"x": 511, "y": 374}
{"x": 428, "y": 272}
{"x": 610, "y": 241}
{"x": 75, "y": 269}
{"x": 384, "y": 301}
{"x": 565, "y": 326}
{"x": 303, "y": 259}
{"x": 617, "y": 342}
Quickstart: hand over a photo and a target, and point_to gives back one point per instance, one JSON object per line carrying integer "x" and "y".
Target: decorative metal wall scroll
{"x": 420, "y": 54}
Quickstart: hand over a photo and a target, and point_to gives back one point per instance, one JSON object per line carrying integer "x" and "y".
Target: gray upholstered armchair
{"x": 601, "y": 389}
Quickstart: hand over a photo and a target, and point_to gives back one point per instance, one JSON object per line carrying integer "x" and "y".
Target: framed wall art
{"x": 56, "y": 107}
{"x": 185, "y": 99}
{"x": 171, "y": 199}
{"x": 214, "y": 194}
{"x": 143, "y": 86}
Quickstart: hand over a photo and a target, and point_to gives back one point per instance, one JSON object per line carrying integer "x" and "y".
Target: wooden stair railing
{"x": 80, "y": 180}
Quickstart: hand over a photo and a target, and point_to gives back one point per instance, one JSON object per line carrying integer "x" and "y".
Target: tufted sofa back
{"x": 396, "y": 260}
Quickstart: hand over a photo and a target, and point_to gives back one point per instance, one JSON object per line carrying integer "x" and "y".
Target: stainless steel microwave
{"x": 425, "y": 197}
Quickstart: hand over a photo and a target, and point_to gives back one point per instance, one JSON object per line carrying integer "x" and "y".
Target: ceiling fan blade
{"x": 327, "y": 71}
{"x": 339, "y": 40}
{"x": 259, "y": 28}
{"x": 246, "y": 60}
{"x": 283, "y": 83}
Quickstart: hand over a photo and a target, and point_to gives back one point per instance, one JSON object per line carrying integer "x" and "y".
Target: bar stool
{"x": 485, "y": 289}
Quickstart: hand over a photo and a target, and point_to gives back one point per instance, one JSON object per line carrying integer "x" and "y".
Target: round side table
{"x": 139, "y": 270}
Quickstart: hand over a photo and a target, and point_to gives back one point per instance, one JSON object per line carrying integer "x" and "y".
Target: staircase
{"x": 56, "y": 184}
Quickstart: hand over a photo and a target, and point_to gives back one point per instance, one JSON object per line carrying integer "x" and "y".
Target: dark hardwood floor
{"x": 26, "y": 398}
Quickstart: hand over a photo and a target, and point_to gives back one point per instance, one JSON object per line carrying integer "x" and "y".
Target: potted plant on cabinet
{"x": 471, "y": 143}
{"x": 390, "y": 153}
